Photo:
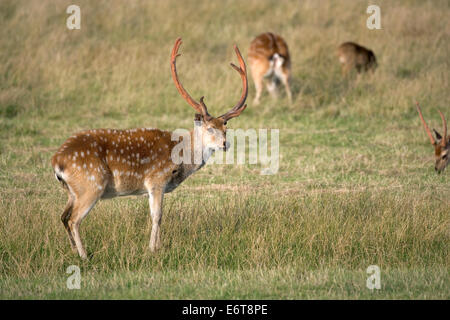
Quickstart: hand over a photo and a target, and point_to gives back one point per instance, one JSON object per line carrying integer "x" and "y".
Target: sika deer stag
{"x": 442, "y": 146}
{"x": 107, "y": 163}
{"x": 270, "y": 62}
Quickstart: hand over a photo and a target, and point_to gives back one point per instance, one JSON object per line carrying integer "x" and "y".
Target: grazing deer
{"x": 269, "y": 61}
{"x": 352, "y": 55}
{"x": 442, "y": 146}
{"x": 107, "y": 163}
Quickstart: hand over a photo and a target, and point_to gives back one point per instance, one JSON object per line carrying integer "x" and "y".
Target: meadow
{"x": 356, "y": 184}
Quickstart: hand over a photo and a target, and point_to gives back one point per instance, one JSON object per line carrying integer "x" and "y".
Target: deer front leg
{"x": 285, "y": 81}
{"x": 346, "y": 69}
{"x": 81, "y": 208}
{"x": 156, "y": 196}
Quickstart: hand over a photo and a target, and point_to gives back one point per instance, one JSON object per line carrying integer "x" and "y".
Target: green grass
{"x": 284, "y": 283}
{"x": 356, "y": 185}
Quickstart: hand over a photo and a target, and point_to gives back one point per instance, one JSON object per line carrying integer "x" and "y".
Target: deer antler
{"x": 433, "y": 142}
{"x": 240, "y": 106}
{"x": 200, "y": 107}
{"x": 444, "y": 123}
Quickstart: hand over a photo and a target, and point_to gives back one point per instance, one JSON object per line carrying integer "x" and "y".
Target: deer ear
{"x": 438, "y": 136}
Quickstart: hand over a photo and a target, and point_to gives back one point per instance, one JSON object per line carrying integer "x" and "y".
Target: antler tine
{"x": 242, "y": 70}
{"x": 444, "y": 123}
{"x": 433, "y": 142}
{"x": 199, "y": 107}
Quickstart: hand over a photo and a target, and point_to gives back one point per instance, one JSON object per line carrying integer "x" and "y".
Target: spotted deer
{"x": 270, "y": 63}
{"x": 107, "y": 163}
{"x": 442, "y": 146}
{"x": 353, "y": 56}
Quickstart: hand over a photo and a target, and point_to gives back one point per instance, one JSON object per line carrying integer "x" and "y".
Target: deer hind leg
{"x": 272, "y": 86}
{"x": 284, "y": 77}
{"x": 285, "y": 81}
{"x": 65, "y": 220}
{"x": 156, "y": 196}
{"x": 81, "y": 207}
{"x": 259, "y": 69}
{"x": 259, "y": 87}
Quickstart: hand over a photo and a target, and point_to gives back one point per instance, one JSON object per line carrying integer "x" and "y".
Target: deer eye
{"x": 444, "y": 156}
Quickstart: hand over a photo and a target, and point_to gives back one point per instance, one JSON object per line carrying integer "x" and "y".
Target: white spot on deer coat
{"x": 145, "y": 160}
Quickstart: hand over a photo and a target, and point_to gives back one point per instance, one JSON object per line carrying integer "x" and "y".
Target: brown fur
{"x": 106, "y": 163}
{"x": 441, "y": 144}
{"x": 441, "y": 154}
{"x": 353, "y": 56}
{"x": 262, "y": 60}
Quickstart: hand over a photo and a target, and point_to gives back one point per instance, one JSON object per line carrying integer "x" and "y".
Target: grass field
{"x": 356, "y": 184}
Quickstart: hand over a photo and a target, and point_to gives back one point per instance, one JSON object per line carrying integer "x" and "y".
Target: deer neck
{"x": 198, "y": 152}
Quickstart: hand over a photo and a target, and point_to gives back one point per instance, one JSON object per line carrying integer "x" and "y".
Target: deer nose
{"x": 226, "y": 145}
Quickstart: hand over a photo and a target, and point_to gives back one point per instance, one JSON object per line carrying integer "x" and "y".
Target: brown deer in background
{"x": 107, "y": 163}
{"x": 442, "y": 146}
{"x": 353, "y": 56}
{"x": 270, "y": 62}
